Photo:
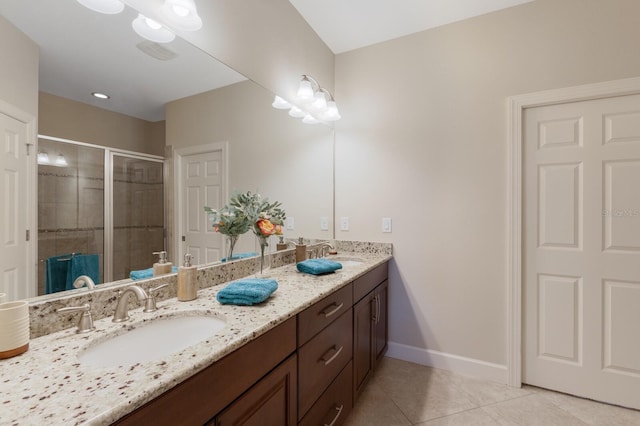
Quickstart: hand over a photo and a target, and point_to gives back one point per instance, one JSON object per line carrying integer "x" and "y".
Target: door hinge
{"x": 28, "y": 235}
{"x": 184, "y": 238}
{"x": 29, "y": 145}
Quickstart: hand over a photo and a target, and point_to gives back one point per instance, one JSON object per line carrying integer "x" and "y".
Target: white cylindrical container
{"x": 14, "y": 328}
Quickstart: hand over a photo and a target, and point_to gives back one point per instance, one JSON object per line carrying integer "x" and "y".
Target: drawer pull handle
{"x": 327, "y": 313}
{"x": 333, "y": 357}
{"x": 339, "y": 411}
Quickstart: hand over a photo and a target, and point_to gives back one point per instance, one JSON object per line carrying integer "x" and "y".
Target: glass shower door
{"x": 138, "y": 213}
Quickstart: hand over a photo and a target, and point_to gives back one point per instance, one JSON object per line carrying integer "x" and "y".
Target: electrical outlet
{"x": 386, "y": 224}
{"x": 324, "y": 223}
{"x": 344, "y": 223}
{"x": 290, "y": 223}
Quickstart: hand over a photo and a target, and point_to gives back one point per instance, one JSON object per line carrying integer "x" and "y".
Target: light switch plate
{"x": 324, "y": 223}
{"x": 344, "y": 223}
{"x": 290, "y": 223}
{"x": 386, "y": 224}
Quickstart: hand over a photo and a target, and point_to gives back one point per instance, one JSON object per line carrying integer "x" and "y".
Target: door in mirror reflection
{"x": 138, "y": 213}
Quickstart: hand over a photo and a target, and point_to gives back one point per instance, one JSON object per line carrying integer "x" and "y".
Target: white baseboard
{"x": 457, "y": 364}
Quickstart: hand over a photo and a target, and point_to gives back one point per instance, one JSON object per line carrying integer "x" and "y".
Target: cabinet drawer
{"x": 324, "y": 312}
{"x": 363, "y": 285}
{"x": 334, "y": 406}
{"x": 321, "y": 359}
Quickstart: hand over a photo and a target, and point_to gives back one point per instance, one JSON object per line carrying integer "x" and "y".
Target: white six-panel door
{"x": 202, "y": 184}
{"x": 13, "y": 216}
{"x": 581, "y": 262}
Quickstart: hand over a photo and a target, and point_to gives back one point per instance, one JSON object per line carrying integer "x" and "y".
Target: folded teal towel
{"x": 318, "y": 266}
{"x": 146, "y": 273}
{"x": 240, "y": 256}
{"x": 247, "y": 291}
{"x": 83, "y": 264}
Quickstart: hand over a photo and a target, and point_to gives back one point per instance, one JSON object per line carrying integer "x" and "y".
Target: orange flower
{"x": 266, "y": 227}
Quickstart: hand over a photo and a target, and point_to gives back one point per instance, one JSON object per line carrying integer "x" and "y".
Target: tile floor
{"x": 402, "y": 393}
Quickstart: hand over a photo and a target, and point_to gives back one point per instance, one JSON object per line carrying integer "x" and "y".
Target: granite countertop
{"x": 47, "y": 385}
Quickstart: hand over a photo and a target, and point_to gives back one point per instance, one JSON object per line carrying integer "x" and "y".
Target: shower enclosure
{"x": 101, "y": 204}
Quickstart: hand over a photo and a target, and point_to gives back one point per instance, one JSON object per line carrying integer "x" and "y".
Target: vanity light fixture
{"x": 182, "y": 14}
{"x": 43, "y": 158}
{"x": 100, "y": 95}
{"x": 312, "y": 103}
{"x": 152, "y": 30}
{"x": 109, "y": 7}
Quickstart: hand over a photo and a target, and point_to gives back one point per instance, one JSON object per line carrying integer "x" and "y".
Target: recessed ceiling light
{"x": 100, "y": 95}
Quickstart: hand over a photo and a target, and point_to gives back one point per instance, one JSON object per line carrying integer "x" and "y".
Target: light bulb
{"x": 152, "y": 30}
{"x": 43, "y": 158}
{"x": 182, "y": 15}
{"x": 109, "y": 7}
{"x": 305, "y": 91}
{"x": 61, "y": 161}
{"x": 331, "y": 113}
{"x": 280, "y": 103}
{"x": 319, "y": 102}
{"x": 296, "y": 112}
{"x": 310, "y": 119}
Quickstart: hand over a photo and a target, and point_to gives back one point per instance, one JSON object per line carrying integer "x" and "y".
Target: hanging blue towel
{"x": 240, "y": 256}
{"x": 57, "y": 268}
{"x": 318, "y": 266}
{"x": 247, "y": 291}
{"x": 83, "y": 264}
{"x": 146, "y": 273}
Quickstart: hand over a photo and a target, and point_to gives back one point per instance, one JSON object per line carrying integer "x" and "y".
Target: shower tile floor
{"x": 402, "y": 393}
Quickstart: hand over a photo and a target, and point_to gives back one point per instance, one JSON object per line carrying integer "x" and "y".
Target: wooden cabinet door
{"x": 362, "y": 342}
{"x": 380, "y": 327}
{"x": 270, "y": 402}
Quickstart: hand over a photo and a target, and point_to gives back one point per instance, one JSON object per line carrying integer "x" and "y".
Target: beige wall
{"x": 64, "y": 118}
{"x": 423, "y": 140}
{"x": 19, "y": 70}
{"x": 269, "y": 152}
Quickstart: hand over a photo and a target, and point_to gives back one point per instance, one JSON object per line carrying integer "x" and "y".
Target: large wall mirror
{"x": 173, "y": 98}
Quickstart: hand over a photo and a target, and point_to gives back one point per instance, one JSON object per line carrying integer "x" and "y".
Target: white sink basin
{"x": 347, "y": 261}
{"x": 151, "y": 341}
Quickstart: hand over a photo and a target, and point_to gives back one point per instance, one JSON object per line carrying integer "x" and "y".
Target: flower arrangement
{"x": 248, "y": 211}
{"x": 266, "y": 218}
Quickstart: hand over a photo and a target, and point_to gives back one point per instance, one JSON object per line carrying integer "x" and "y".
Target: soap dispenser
{"x": 187, "y": 280}
{"x": 281, "y": 244}
{"x": 301, "y": 250}
{"x": 162, "y": 266}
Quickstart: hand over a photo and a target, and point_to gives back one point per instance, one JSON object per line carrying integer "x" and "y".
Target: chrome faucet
{"x": 84, "y": 280}
{"x": 324, "y": 248}
{"x": 122, "y": 306}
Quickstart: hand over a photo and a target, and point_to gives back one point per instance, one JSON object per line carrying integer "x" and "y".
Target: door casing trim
{"x": 515, "y": 108}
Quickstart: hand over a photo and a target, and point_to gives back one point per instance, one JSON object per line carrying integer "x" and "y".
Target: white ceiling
{"x": 350, "y": 24}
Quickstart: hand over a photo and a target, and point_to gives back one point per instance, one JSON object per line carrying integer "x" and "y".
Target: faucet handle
{"x": 85, "y": 322}
{"x": 150, "y": 301}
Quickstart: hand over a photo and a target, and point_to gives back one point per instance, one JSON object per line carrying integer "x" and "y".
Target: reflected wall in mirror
{"x": 269, "y": 152}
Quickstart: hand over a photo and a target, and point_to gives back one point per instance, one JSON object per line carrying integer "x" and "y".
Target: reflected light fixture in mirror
{"x": 109, "y": 7}
{"x": 43, "y": 158}
{"x": 182, "y": 15}
{"x": 313, "y": 103}
{"x": 152, "y": 30}
{"x": 61, "y": 161}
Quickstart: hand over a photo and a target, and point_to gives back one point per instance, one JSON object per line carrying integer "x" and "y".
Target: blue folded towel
{"x": 146, "y": 273}
{"x": 318, "y": 266}
{"x": 240, "y": 256}
{"x": 247, "y": 291}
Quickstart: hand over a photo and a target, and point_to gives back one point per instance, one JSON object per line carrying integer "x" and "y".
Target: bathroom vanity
{"x": 301, "y": 357}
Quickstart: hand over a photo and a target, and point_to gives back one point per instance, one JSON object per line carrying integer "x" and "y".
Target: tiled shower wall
{"x": 71, "y": 208}
{"x": 138, "y": 214}
{"x": 70, "y": 204}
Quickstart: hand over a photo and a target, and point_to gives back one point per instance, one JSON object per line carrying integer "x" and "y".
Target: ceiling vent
{"x": 157, "y": 51}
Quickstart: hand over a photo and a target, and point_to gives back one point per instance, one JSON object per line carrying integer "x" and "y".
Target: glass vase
{"x": 231, "y": 244}
{"x": 265, "y": 256}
